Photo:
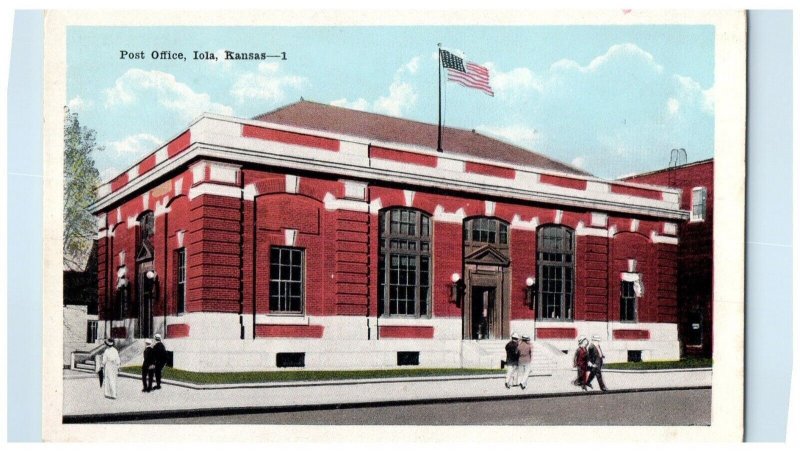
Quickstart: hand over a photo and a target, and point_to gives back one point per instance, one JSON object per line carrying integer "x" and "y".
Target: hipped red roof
{"x": 372, "y": 126}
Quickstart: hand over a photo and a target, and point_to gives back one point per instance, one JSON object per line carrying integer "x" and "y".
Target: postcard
{"x": 368, "y": 226}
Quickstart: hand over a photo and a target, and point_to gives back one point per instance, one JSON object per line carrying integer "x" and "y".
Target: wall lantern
{"x": 150, "y": 274}
{"x": 457, "y": 289}
{"x": 530, "y": 291}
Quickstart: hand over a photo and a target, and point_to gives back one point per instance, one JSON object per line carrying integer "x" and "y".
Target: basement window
{"x": 634, "y": 356}
{"x": 290, "y": 360}
{"x": 408, "y": 358}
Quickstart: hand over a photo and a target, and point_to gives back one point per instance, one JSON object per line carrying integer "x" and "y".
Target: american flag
{"x": 466, "y": 73}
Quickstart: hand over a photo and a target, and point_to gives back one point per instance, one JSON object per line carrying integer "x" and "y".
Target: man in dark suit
{"x": 160, "y": 359}
{"x": 512, "y": 359}
{"x": 148, "y": 366}
{"x": 596, "y": 363}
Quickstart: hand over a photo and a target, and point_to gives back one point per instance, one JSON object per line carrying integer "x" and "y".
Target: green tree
{"x": 81, "y": 179}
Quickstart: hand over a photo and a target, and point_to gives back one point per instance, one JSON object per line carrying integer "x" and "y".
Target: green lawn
{"x": 688, "y": 363}
{"x": 305, "y": 375}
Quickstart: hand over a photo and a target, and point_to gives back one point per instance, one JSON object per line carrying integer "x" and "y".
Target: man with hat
{"x": 525, "y": 357}
{"x": 148, "y": 366}
{"x": 580, "y": 362}
{"x": 595, "y": 362}
{"x": 159, "y": 359}
{"x": 111, "y": 363}
{"x": 512, "y": 357}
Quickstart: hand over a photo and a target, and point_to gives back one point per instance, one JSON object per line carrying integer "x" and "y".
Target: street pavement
{"x": 84, "y": 400}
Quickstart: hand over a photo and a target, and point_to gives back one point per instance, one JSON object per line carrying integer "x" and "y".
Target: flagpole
{"x": 439, "y": 69}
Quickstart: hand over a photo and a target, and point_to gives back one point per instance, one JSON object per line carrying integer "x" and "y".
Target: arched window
{"x": 146, "y": 229}
{"x": 405, "y": 263}
{"x": 555, "y": 257}
{"x": 485, "y": 230}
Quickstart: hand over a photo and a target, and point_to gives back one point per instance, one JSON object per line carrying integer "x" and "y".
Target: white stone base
{"x": 350, "y": 342}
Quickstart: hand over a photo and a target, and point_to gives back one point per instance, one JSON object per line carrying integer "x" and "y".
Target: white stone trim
{"x": 132, "y": 222}
{"x": 121, "y": 257}
{"x": 422, "y": 321}
{"x": 612, "y": 231}
{"x": 530, "y": 225}
{"x": 489, "y": 208}
{"x": 178, "y": 187}
{"x": 353, "y": 148}
{"x": 671, "y": 197}
{"x": 103, "y": 191}
{"x": 634, "y": 225}
{"x": 119, "y": 215}
{"x": 207, "y": 188}
{"x": 198, "y": 172}
{"x": 449, "y": 164}
{"x": 222, "y": 143}
{"x": 161, "y": 155}
{"x": 292, "y": 183}
{"x": 597, "y": 187}
{"x": 582, "y": 230}
{"x": 179, "y": 236}
{"x": 408, "y": 196}
{"x": 355, "y": 190}
{"x": 599, "y": 219}
{"x": 102, "y": 233}
{"x": 670, "y": 228}
{"x": 250, "y": 192}
{"x": 527, "y": 178}
{"x": 375, "y": 206}
{"x": 146, "y": 201}
{"x": 272, "y": 319}
{"x": 331, "y": 203}
{"x": 290, "y": 237}
{"x": 440, "y": 215}
{"x": 161, "y": 207}
{"x": 223, "y": 172}
{"x": 656, "y": 238}
{"x": 559, "y": 216}
{"x": 133, "y": 173}
{"x": 101, "y": 220}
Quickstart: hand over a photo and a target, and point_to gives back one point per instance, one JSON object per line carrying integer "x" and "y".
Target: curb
{"x": 657, "y": 371}
{"x": 231, "y": 411}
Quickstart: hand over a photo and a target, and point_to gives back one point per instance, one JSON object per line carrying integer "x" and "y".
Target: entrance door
{"x": 483, "y": 322}
{"x": 144, "y": 293}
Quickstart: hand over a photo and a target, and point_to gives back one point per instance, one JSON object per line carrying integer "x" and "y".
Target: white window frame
{"x": 698, "y": 191}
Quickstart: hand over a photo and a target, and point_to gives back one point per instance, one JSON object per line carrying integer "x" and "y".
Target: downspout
{"x": 241, "y": 257}
{"x": 369, "y": 264}
{"x": 255, "y": 254}
{"x": 166, "y": 271}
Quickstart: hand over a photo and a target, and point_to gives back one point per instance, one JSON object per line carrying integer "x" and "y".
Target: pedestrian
{"x": 159, "y": 359}
{"x": 595, "y": 362}
{"x": 512, "y": 357}
{"x": 580, "y": 362}
{"x": 148, "y": 366}
{"x": 110, "y": 369}
{"x": 525, "y": 357}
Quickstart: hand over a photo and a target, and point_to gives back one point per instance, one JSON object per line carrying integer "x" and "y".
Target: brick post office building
{"x": 324, "y": 237}
{"x": 695, "y": 251}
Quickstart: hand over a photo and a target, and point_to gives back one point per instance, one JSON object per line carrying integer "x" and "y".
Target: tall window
{"x": 286, "y": 280}
{"x": 556, "y": 270}
{"x": 627, "y": 302}
{"x": 405, "y": 263}
{"x": 180, "y": 280}
{"x": 698, "y": 204}
{"x": 486, "y": 230}
{"x": 146, "y": 229}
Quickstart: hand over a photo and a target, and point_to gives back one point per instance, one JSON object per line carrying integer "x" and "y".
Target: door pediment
{"x": 487, "y": 255}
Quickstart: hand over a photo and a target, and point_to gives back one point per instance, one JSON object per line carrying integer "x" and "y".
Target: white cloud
{"x": 516, "y": 79}
{"x": 77, "y": 104}
{"x": 134, "y": 144}
{"x": 517, "y": 134}
{"x": 673, "y": 105}
{"x": 402, "y": 94}
{"x": 360, "y": 104}
{"x": 265, "y": 84}
{"x": 579, "y": 162}
{"x": 167, "y": 91}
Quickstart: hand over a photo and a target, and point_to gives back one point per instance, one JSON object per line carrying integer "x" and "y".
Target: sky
{"x": 612, "y": 100}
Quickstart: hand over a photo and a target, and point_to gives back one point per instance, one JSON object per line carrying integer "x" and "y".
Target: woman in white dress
{"x": 110, "y": 370}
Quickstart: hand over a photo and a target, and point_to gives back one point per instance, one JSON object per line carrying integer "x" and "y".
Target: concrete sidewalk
{"x": 84, "y": 400}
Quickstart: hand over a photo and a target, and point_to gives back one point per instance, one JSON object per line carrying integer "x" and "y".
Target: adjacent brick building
{"x": 331, "y": 238}
{"x": 695, "y": 251}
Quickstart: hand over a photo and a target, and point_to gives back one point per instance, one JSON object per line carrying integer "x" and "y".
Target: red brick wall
{"x": 591, "y": 289}
{"x": 523, "y": 265}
